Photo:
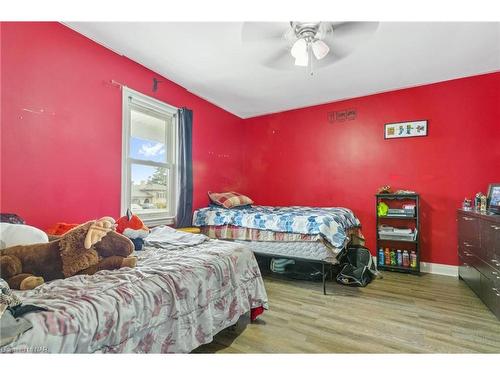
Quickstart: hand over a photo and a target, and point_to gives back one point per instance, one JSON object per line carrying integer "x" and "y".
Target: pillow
{"x": 244, "y": 207}
{"x": 230, "y": 199}
{"x": 11, "y": 218}
{"x": 19, "y": 234}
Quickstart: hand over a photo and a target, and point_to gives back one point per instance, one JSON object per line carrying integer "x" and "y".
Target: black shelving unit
{"x": 413, "y": 245}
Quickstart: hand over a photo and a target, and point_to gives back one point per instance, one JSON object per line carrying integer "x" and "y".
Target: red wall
{"x": 61, "y": 126}
{"x": 61, "y": 141}
{"x": 299, "y": 158}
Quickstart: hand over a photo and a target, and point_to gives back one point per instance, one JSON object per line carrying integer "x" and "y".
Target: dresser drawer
{"x": 490, "y": 272}
{"x": 468, "y": 230}
{"x": 469, "y": 273}
{"x": 468, "y": 250}
{"x": 469, "y": 255}
{"x": 490, "y": 242}
{"x": 490, "y": 294}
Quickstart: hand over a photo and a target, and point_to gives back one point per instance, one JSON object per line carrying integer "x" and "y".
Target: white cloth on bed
{"x": 168, "y": 238}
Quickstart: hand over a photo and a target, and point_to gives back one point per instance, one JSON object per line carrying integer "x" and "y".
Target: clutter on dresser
{"x": 467, "y": 204}
{"x": 485, "y": 203}
{"x": 480, "y": 202}
{"x": 493, "y": 198}
{"x": 397, "y": 224}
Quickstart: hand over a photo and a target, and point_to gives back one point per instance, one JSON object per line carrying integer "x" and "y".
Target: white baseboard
{"x": 439, "y": 269}
{"x": 436, "y": 268}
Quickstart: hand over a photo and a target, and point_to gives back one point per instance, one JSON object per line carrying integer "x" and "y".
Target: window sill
{"x": 154, "y": 222}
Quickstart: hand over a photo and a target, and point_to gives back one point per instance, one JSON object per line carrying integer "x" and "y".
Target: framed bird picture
{"x": 405, "y": 129}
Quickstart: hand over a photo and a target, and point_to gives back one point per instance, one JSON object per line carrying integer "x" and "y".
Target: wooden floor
{"x": 399, "y": 313}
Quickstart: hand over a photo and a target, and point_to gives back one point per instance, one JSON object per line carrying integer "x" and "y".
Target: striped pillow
{"x": 230, "y": 199}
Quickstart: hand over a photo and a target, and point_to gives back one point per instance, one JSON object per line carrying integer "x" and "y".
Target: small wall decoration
{"x": 341, "y": 116}
{"x": 405, "y": 129}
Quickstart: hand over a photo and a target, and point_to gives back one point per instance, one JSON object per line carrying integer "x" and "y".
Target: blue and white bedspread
{"x": 330, "y": 222}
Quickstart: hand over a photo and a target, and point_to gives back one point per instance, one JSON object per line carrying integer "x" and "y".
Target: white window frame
{"x": 130, "y": 99}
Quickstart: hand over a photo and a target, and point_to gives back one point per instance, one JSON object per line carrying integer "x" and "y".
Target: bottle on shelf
{"x": 381, "y": 257}
{"x": 406, "y": 258}
{"x": 387, "y": 256}
{"x": 413, "y": 259}
{"x": 399, "y": 258}
{"x": 393, "y": 258}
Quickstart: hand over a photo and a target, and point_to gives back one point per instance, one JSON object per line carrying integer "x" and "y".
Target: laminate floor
{"x": 399, "y": 313}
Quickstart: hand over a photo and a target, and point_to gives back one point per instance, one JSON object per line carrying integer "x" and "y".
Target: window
{"x": 149, "y": 158}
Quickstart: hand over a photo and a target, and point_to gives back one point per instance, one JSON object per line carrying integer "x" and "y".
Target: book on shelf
{"x": 402, "y": 230}
{"x": 386, "y": 232}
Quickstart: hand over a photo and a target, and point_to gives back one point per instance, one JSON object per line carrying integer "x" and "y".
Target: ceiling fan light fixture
{"x": 320, "y": 49}
{"x": 302, "y": 60}
{"x": 299, "y": 48}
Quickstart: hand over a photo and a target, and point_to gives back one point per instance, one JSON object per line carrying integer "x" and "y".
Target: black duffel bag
{"x": 357, "y": 267}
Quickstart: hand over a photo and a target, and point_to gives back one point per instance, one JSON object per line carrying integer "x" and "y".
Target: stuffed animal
{"x": 386, "y": 189}
{"x": 86, "y": 249}
{"x": 59, "y": 229}
{"x": 132, "y": 227}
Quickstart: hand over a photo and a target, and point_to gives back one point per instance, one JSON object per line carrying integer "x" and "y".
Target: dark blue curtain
{"x": 185, "y": 202}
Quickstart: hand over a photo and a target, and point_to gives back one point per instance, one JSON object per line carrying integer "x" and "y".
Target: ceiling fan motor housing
{"x": 305, "y": 30}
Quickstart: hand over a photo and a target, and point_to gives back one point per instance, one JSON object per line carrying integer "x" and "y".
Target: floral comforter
{"x": 332, "y": 223}
{"x": 172, "y": 302}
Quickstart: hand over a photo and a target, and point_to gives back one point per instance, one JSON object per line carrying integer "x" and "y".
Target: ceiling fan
{"x": 305, "y": 44}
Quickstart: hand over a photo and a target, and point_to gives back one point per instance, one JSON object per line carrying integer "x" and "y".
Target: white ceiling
{"x": 210, "y": 60}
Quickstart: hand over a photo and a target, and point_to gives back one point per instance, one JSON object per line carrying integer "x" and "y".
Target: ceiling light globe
{"x": 320, "y": 49}
{"x": 302, "y": 60}
{"x": 299, "y": 48}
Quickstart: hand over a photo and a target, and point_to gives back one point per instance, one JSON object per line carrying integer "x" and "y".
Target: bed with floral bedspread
{"x": 172, "y": 302}
{"x": 331, "y": 223}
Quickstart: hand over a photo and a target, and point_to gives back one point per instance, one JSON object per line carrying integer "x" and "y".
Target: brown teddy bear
{"x": 86, "y": 249}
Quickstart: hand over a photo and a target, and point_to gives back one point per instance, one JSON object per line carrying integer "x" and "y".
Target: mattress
{"x": 309, "y": 250}
{"x": 232, "y": 232}
{"x": 296, "y": 245}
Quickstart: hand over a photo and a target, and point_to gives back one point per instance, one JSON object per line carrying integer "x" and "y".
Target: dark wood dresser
{"x": 479, "y": 255}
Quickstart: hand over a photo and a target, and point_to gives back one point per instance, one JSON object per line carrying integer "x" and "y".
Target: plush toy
{"x": 382, "y": 209}
{"x": 386, "y": 189}
{"x": 132, "y": 227}
{"x": 59, "y": 229}
{"x": 86, "y": 249}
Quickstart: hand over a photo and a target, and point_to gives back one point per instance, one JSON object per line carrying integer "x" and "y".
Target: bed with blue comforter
{"x": 331, "y": 223}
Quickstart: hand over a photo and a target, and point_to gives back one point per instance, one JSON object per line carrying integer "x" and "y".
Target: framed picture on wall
{"x": 405, "y": 129}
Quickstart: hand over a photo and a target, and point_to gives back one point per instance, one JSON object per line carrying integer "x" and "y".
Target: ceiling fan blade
{"x": 281, "y": 59}
{"x": 290, "y": 36}
{"x": 263, "y": 31}
{"x": 339, "y": 50}
{"x": 352, "y": 29}
{"x": 324, "y": 29}
{"x": 345, "y": 37}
